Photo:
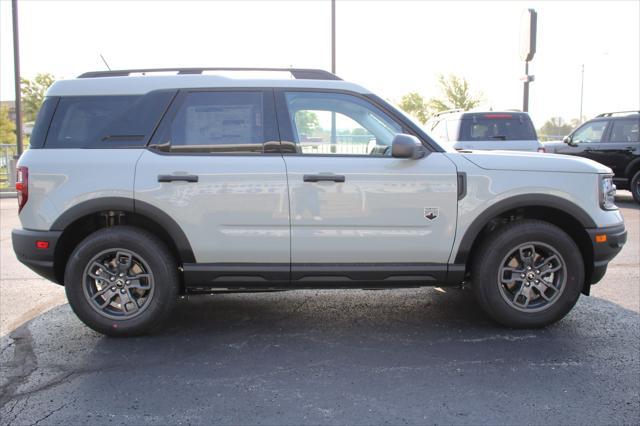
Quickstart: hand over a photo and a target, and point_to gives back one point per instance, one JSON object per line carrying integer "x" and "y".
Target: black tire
{"x": 160, "y": 284}
{"x": 496, "y": 251}
{"x": 634, "y": 187}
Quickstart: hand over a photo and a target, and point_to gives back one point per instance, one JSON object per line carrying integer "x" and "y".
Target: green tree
{"x": 414, "y": 104}
{"x": 7, "y": 127}
{"x": 555, "y": 128}
{"x": 307, "y": 122}
{"x": 455, "y": 95}
{"x": 33, "y": 92}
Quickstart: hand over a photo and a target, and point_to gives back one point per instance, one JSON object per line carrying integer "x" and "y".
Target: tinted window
{"x": 336, "y": 123}
{"x": 79, "y": 120}
{"x": 226, "y": 122}
{"x": 106, "y": 121}
{"x": 41, "y": 126}
{"x": 625, "y": 131}
{"x": 497, "y": 127}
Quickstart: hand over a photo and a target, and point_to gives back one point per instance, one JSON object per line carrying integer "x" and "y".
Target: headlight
{"x": 607, "y": 192}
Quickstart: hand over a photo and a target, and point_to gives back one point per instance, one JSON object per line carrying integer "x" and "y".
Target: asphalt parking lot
{"x": 418, "y": 356}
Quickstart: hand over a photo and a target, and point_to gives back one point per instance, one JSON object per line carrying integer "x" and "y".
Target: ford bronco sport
{"x": 140, "y": 187}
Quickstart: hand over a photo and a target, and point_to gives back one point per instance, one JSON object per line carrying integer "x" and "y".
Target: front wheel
{"x": 528, "y": 274}
{"x": 121, "y": 281}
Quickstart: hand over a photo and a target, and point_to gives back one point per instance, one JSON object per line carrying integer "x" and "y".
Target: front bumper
{"x": 607, "y": 243}
{"x": 39, "y": 260}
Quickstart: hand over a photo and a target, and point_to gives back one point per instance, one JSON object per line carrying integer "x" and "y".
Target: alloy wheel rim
{"x": 532, "y": 277}
{"x": 118, "y": 284}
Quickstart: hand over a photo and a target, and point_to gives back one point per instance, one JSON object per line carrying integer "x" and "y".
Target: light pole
{"x": 581, "y": 93}
{"x": 334, "y": 136}
{"x": 16, "y": 68}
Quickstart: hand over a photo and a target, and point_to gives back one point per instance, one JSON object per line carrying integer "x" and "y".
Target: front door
{"x": 587, "y": 141}
{"x": 209, "y": 168}
{"x": 358, "y": 214}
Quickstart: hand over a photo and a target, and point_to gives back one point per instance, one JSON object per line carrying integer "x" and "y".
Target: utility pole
{"x": 334, "y": 136}
{"x": 581, "y": 93}
{"x": 528, "y": 35}
{"x": 16, "y": 68}
{"x": 333, "y": 36}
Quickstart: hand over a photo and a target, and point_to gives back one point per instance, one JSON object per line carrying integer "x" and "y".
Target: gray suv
{"x": 140, "y": 187}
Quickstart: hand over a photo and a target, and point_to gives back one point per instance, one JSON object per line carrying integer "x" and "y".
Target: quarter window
{"x": 339, "y": 124}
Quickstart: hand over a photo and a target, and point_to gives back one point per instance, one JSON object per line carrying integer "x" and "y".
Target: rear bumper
{"x": 604, "y": 251}
{"x": 39, "y": 260}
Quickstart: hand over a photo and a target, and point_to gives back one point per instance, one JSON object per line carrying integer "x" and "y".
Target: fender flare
{"x": 132, "y": 206}
{"x": 518, "y": 201}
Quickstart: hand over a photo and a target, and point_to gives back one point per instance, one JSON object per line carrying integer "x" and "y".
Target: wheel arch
{"x": 89, "y": 216}
{"x": 558, "y": 211}
{"x": 632, "y": 168}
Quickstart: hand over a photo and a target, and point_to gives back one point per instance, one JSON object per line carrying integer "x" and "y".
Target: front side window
{"x": 221, "y": 122}
{"x": 625, "y": 131}
{"x": 340, "y": 124}
{"x": 590, "y": 132}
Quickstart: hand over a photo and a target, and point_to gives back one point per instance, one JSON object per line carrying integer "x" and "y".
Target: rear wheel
{"x": 121, "y": 281}
{"x": 635, "y": 186}
{"x": 528, "y": 274}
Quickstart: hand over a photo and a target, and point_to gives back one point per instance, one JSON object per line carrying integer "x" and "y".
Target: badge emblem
{"x": 431, "y": 212}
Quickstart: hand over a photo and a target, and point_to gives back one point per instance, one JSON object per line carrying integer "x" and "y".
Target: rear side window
{"x": 625, "y": 131}
{"x": 497, "y": 127}
{"x": 221, "y": 122}
{"x": 106, "y": 121}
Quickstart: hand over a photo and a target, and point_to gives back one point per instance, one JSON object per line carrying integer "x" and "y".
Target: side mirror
{"x": 569, "y": 140}
{"x": 407, "y": 146}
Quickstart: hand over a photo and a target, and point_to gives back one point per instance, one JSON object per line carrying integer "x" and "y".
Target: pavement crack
{"x": 54, "y": 411}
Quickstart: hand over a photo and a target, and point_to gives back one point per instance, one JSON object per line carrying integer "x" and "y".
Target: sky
{"x": 389, "y": 47}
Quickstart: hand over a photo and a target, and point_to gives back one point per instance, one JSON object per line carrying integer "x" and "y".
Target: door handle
{"x": 179, "y": 178}
{"x": 323, "y": 178}
{"x": 588, "y": 150}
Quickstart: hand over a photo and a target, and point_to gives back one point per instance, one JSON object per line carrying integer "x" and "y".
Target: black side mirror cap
{"x": 407, "y": 146}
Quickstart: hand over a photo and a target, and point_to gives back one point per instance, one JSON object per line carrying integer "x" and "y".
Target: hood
{"x": 533, "y": 162}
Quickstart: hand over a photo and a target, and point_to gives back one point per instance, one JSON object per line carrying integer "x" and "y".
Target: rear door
{"x": 210, "y": 167}
{"x": 358, "y": 214}
{"x": 498, "y": 131}
{"x": 622, "y": 144}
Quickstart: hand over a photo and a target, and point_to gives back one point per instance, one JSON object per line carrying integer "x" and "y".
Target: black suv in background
{"x": 612, "y": 139}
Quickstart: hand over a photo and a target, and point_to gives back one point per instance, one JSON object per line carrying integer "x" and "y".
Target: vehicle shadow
{"x": 327, "y": 357}
{"x": 625, "y": 199}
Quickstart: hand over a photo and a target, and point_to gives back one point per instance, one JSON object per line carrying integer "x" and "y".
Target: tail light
{"x": 541, "y": 149}
{"x": 22, "y": 186}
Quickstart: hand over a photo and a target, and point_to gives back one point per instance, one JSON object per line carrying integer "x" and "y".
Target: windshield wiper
{"x": 501, "y": 137}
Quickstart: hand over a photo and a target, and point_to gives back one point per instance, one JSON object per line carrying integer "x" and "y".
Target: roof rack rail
{"x": 610, "y": 114}
{"x": 449, "y": 111}
{"x": 297, "y": 73}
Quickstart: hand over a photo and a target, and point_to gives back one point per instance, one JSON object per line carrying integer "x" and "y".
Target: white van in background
{"x": 490, "y": 130}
